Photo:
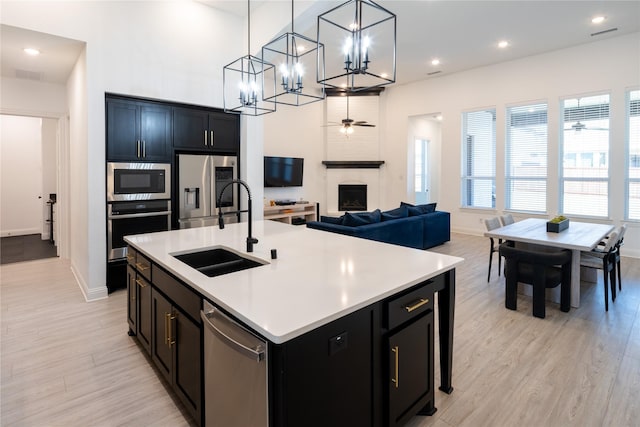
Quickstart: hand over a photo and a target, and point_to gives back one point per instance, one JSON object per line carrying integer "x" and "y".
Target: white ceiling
{"x": 462, "y": 34}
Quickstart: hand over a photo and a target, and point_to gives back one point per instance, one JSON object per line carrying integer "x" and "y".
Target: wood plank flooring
{"x": 25, "y": 248}
{"x": 65, "y": 362}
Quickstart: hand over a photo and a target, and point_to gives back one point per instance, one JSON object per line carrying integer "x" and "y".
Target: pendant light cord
{"x": 249, "y": 27}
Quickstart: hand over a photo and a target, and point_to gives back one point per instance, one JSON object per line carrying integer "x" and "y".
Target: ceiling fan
{"x": 346, "y": 125}
{"x": 579, "y": 126}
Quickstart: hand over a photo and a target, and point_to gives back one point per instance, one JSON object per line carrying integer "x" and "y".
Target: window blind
{"x": 479, "y": 160}
{"x": 633, "y": 156}
{"x": 526, "y": 158}
{"x": 584, "y": 179}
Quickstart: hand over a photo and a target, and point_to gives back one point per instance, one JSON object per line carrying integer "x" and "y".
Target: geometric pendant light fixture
{"x": 359, "y": 38}
{"x": 246, "y": 79}
{"x": 295, "y": 58}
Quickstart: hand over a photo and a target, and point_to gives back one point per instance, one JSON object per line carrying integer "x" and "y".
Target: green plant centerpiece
{"x": 558, "y": 224}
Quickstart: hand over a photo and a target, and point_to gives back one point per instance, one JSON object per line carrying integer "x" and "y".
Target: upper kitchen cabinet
{"x": 138, "y": 131}
{"x": 206, "y": 131}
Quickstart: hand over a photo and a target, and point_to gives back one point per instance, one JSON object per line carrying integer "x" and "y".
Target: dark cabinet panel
{"x": 410, "y": 356}
{"x": 144, "y": 313}
{"x": 161, "y": 345}
{"x": 132, "y": 303}
{"x": 190, "y": 129}
{"x": 123, "y": 130}
{"x": 207, "y": 131}
{"x": 138, "y": 131}
{"x": 329, "y": 368}
{"x": 187, "y": 374}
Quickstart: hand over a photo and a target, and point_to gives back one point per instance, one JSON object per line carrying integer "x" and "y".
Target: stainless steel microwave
{"x": 138, "y": 181}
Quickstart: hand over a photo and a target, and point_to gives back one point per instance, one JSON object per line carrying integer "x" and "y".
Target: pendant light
{"x": 244, "y": 82}
{"x": 295, "y": 58}
{"x": 360, "y": 42}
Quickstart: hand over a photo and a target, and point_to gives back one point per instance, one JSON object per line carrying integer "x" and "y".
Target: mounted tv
{"x": 283, "y": 171}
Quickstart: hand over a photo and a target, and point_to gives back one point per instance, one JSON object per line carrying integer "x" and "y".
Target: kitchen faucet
{"x": 250, "y": 240}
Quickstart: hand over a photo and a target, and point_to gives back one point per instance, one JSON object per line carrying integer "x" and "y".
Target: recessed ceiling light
{"x": 439, "y": 117}
{"x": 384, "y": 75}
{"x": 502, "y": 44}
{"x": 31, "y": 51}
{"x": 598, "y": 19}
{"x": 436, "y": 61}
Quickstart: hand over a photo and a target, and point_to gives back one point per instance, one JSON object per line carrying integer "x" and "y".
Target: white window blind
{"x": 526, "y": 158}
{"x": 584, "y": 180}
{"x": 479, "y": 159}
{"x": 633, "y": 157}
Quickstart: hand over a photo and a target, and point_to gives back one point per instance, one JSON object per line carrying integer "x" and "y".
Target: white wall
{"x": 611, "y": 65}
{"x": 20, "y": 175}
{"x": 172, "y": 50}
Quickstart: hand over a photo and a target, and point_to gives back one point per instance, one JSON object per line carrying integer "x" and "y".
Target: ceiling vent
{"x": 29, "y": 75}
{"x": 433, "y": 73}
{"x": 599, "y": 33}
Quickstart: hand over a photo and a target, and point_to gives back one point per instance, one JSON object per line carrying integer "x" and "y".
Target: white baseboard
{"x": 90, "y": 294}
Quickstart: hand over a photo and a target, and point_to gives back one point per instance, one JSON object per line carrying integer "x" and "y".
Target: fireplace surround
{"x": 352, "y": 197}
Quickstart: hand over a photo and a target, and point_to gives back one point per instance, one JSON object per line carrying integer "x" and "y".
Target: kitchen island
{"x": 331, "y": 307}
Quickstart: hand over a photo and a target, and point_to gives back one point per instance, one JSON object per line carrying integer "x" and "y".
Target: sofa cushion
{"x": 419, "y": 209}
{"x": 401, "y": 212}
{"x": 361, "y": 218}
{"x": 332, "y": 219}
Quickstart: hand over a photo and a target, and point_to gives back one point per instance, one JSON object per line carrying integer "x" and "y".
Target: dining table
{"x": 578, "y": 237}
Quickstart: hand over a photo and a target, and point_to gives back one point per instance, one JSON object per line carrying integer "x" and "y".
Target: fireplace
{"x": 352, "y": 197}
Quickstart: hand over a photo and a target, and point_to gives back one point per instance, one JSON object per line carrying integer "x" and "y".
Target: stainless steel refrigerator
{"x": 200, "y": 180}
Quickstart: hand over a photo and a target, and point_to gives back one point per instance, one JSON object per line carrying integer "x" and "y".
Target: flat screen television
{"x": 283, "y": 171}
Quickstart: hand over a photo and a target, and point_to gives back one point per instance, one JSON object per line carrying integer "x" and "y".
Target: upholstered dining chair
{"x": 506, "y": 219}
{"x": 492, "y": 224}
{"x": 604, "y": 258}
{"x": 542, "y": 270}
{"x": 619, "y": 243}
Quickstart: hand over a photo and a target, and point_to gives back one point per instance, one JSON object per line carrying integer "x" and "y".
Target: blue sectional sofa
{"x": 420, "y": 227}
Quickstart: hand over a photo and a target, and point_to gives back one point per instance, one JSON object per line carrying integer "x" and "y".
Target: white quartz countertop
{"x": 318, "y": 276}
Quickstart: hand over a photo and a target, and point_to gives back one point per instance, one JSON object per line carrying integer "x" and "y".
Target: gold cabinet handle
{"x": 144, "y": 148}
{"x": 141, "y": 283}
{"x": 130, "y": 257}
{"x": 138, "y": 148}
{"x": 396, "y": 350}
{"x": 211, "y": 138}
{"x": 169, "y": 318}
{"x": 205, "y": 137}
{"x": 141, "y": 267}
{"x": 416, "y": 304}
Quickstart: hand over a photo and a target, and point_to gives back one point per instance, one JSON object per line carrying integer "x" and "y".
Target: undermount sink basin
{"x": 217, "y": 261}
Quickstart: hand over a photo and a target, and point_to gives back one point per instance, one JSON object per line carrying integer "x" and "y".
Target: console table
{"x": 288, "y": 213}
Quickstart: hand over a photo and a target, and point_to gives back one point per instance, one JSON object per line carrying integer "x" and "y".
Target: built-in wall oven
{"x": 138, "y": 201}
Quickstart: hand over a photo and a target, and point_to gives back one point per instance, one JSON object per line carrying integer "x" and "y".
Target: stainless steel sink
{"x": 217, "y": 261}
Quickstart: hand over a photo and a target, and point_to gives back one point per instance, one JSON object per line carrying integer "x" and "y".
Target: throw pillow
{"x": 332, "y": 220}
{"x": 361, "y": 218}
{"x": 401, "y": 212}
{"x": 419, "y": 209}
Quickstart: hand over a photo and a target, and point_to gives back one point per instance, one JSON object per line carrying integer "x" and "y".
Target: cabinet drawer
{"x": 143, "y": 265}
{"x": 182, "y": 296}
{"x": 131, "y": 256}
{"x": 411, "y": 304}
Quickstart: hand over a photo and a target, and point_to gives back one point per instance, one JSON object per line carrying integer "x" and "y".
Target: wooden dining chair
{"x": 492, "y": 224}
{"x": 604, "y": 258}
{"x": 541, "y": 270}
{"x": 506, "y": 219}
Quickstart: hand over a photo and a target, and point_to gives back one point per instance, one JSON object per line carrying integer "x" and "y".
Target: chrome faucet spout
{"x": 250, "y": 239}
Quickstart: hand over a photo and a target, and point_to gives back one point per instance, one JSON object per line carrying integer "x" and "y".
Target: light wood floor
{"x": 66, "y": 362}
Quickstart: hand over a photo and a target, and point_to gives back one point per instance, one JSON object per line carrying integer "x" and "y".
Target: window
{"x": 633, "y": 154}
{"x": 421, "y": 171}
{"x": 584, "y": 176}
{"x": 479, "y": 159}
{"x": 526, "y": 158}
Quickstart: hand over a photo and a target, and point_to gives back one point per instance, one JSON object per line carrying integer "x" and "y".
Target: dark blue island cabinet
{"x": 371, "y": 367}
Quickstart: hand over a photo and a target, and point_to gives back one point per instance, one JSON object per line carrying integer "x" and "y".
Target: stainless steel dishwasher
{"x": 235, "y": 373}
